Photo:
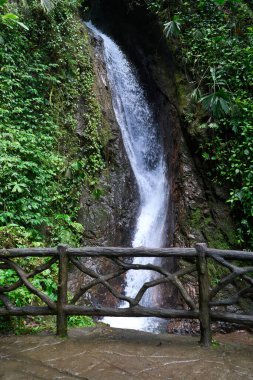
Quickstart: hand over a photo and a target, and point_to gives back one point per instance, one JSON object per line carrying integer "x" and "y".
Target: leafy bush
{"x": 214, "y": 43}
{"x": 80, "y": 321}
{"x": 44, "y": 74}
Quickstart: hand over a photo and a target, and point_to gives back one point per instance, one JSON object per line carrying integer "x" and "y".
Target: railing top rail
{"x": 26, "y": 252}
{"x": 128, "y": 252}
{"x": 230, "y": 254}
{"x": 124, "y": 252}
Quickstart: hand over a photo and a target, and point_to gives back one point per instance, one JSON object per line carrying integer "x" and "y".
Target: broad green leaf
{"x": 48, "y": 5}
{"x": 172, "y": 28}
{"x": 22, "y": 25}
{"x": 2, "y": 2}
{"x": 9, "y": 16}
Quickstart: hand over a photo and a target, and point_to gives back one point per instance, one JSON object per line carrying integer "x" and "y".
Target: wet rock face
{"x": 202, "y": 213}
{"x": 198, "y": 212}
{"x": 155, "y": 75}
{"x": 108, "y": 217}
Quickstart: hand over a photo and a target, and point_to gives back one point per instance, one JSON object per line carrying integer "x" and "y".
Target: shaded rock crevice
{"x": 198, "y": 212}
{"x": 108, "y": 216}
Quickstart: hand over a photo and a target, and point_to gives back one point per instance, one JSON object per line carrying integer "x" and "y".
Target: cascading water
{"x": 145, "y": 152}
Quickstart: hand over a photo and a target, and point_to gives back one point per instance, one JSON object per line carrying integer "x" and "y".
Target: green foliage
{"x": 48, "y": 5}
{"x": 45, "y": 281}
{"x": 32, "y": 325}
{"x": 80, "y": 321}
{"x": 14, "y": 235}
{"x": 215, "y": 343}
{"x": 215, "y": 46}
{"x": 173, "y": 27}
{"x": 35, "y": 325}
{"x": 44, "y": 77}
{"x": 216, "y": 103}
{"x": 9, "y": 19}
{"x": 154, "y": 6}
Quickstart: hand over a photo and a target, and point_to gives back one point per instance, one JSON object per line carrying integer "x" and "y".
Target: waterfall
{"x": 144, "y": 148}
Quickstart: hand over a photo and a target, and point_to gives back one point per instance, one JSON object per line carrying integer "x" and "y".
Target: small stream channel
{"x": 145, "y": 151}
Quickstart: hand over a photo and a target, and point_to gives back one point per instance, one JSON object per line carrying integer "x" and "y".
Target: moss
{"x": 105, "y": 133}
{"x": 216, "y": 239}
{"x": 213, "y": 232}
{"x": 216, "y": 272}
{"x": 182, "y": 92}
{"x": 55, "y": 76}
{"x": 195, "y": 218}
{"x": 193, "y": 114}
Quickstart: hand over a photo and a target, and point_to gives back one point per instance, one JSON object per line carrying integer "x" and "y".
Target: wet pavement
{"x": 103, "y": 353}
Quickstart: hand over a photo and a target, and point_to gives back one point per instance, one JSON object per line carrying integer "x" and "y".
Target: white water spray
{"x": 145, "y": 152}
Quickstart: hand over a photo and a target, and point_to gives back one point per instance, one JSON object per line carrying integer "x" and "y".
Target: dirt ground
{"x": 103, "y": 353}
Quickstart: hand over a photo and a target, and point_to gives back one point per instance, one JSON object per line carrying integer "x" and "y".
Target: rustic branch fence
{"x": 235, "y": 284}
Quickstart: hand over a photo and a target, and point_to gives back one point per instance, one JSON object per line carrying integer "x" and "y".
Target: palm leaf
{"x": 47, "y": 5}
{"x": 218, "y": 103}
{"x": 196, "y": 95}
{"x": 172, "y": 28}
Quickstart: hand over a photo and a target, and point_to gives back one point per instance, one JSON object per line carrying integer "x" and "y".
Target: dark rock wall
{"x": 155, "y": 68}
{"x": 197, "y": 211}
{"x": 109, "y": 218}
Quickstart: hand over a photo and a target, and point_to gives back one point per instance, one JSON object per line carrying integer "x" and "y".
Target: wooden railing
{"x": 215, "y": 296}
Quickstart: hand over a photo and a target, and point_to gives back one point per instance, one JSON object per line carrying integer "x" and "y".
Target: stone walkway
{"x": 103, "y": 353}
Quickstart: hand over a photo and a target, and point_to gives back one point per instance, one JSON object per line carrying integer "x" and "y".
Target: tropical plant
{"x": 173, "y": 27}
{"x": 9, "y": 19}
{"x": 41, "y": 176}
{"x": 48, "y": 5}
{"x": 218, "y": 103}
{"x": 215, "y": 48}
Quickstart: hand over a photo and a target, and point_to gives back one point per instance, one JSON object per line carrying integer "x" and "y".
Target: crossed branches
{"x": 229, "y": 279}
{"x": 239, "y": 277}
{"x": 23, "y": 280}
{"x": 167, "y": 277}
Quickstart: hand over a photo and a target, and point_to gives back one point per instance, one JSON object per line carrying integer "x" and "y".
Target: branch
{"x": 233, "y": 300}
{"x": 7, "y": 303}
{"x": 23, "y": 278}
{"x": 184, "y": 294}
{"x": 145, "y": 287}
{"x": 37, "y": 270}
{"x": 93, "y": 274}
{"x": 85, "y": 288}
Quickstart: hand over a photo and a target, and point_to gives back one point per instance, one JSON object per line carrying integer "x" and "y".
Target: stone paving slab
{"x": 103, "y": 353}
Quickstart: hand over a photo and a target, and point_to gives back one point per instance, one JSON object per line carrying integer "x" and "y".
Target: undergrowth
{"x": 46, "y": 92}
{"x": 45, "y": 75}
{"x": 213, "y": 43}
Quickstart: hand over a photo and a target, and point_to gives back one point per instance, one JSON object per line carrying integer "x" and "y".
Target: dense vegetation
{"x": 46, "y": 80}
{"x": 45, "y": 74}
{"x": 46, "y": 89}
{"x": 213, "y": 44}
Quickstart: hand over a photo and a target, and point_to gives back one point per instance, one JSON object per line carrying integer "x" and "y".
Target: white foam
{"x": 145, "y": 151}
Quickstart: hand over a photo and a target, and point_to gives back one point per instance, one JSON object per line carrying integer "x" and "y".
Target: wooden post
{"x": 204, "y": 313}
{"x": 62, "y": 328}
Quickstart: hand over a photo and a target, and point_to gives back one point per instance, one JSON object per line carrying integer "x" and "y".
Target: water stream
{"x": 144, "y": 148}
